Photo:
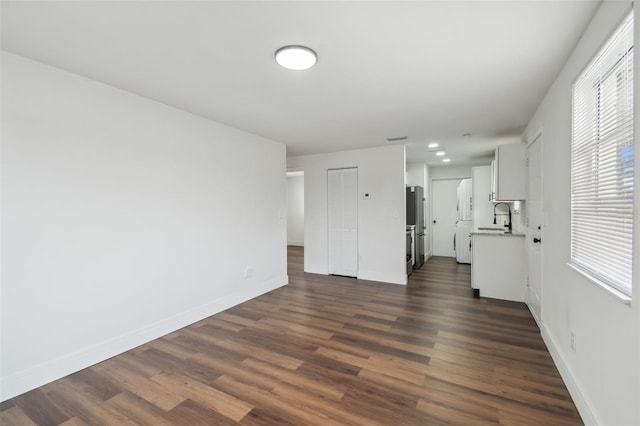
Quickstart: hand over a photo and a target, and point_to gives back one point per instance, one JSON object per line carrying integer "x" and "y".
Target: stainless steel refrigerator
{"x": 415, "y": 216}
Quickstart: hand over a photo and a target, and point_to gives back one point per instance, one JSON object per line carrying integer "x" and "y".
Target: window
{"x": 602, "y": 165}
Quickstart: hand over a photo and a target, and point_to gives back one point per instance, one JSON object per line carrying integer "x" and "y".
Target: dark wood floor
{"x": 327, "y": 350}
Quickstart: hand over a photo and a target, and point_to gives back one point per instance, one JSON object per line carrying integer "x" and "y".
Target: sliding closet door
{"x": 342, "y": 212}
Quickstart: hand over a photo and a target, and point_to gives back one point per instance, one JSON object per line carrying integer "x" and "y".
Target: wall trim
{"x": 382, "y": 277}
{"x": 295, "y": 243}
{"x": 533, "y": 314}
{"x": 31, "y": 378}
{"x": 583, "y": 407}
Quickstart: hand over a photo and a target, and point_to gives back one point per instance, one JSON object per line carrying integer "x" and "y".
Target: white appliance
{"x": 465, "y": 200}
{"x": 464, "y": 225}
{"x": 463, "y": 241}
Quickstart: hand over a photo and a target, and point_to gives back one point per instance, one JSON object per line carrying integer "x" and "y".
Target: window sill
{"x": 621, "y": 297}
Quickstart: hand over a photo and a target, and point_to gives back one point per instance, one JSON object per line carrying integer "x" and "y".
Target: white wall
{"x": 450, "y": 172}
{"x": 381, "y": 219}
{"x": 295, "y": 212}
{"x": 603, "y": 373}
{"x": 416, "y": 174}
{"x": 123, "y": 219}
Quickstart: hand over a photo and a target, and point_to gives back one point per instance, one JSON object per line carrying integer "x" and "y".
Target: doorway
{"x": 534, "y": 229}
{"x": 444, "y": 203}
{"x": 295, "y": 221}
{"x": 342, "y": 221}
{"x": 295, "y": 208}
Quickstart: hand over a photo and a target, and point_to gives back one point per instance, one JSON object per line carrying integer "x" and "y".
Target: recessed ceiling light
{"x": 433, "y": 145}
{"x": 446, "y": 160}
{"x": 296, "y": 57}
{"x": 440, "y": 153}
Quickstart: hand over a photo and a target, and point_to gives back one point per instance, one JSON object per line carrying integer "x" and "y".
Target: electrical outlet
{"x": 248, "y": 273}
{"x": 573, "y": 341}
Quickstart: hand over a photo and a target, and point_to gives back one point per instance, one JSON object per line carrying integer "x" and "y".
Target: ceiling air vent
{"x": 397, "y": 138}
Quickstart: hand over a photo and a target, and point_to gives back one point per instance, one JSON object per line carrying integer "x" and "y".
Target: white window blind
{"x": 602, "y": 164}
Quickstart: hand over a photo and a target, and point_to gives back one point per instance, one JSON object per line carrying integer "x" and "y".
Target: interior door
{"x": 444, "y": 203}
{"x": 534, "y": 229}
{"x": 342, "y": 221}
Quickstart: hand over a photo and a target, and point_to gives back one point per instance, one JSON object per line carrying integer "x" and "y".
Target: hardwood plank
{"x": 335, "y": 412}
{"x": 74, "y": 400}
{"x": 15, "y": 416}
{"x": 238, "y": 372}
{"x": 291, "y": 409}
{"x": 192, "y": 413}
{"x": 37, "y": 406}
{"x": 212, "y": 398}
{"x": 451, "y": 416}
{"x": 144, "y": 387}
{"x": 354, "y": 360}
{"x": 280, "y": 375}
{"x": 139, "y": 410}
{"x": 74, "y": 421}
{"x": 262, "y": 417}
{"x": 95, "y": 383}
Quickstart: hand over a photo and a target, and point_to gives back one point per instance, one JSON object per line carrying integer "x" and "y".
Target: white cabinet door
{"x": 509, "y": 173}
{"x": 534, "y": 230}
{"x": 482, "y": 205}
{"x": 342, "y": 221}
{"x": 498, "y": 268}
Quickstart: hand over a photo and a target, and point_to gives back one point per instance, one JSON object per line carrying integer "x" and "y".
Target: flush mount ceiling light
{"x": 446, "y": 160}
{"x": 397, "y": 138}
{"x": 433, "y": 145}
{"x": 440, "y": 153}
{"x": 296, "y": 58}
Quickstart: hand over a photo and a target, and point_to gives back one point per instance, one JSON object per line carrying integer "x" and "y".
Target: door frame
{"x": 538, "y": 137}
{"x": 304, "y": 203}
{"x": 431, "y": 181}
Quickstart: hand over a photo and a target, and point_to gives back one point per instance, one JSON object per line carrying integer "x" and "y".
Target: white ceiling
{"x": 430, "y": 70}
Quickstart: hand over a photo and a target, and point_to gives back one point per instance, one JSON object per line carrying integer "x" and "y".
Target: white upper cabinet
{"x": 509, "y": 173}
{"x": 482, "y": 205}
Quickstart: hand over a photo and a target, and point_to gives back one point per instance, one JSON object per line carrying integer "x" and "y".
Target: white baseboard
{"x": 574, "y": 390}
{"x": 535, "y": 317}
{"x": 295, "y": 243}
{"x": 33, "y": 377}
{"x": 385, "y": 278}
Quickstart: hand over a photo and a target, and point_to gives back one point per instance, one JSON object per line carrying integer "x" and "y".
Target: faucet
{"x": 494, "y": 215}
